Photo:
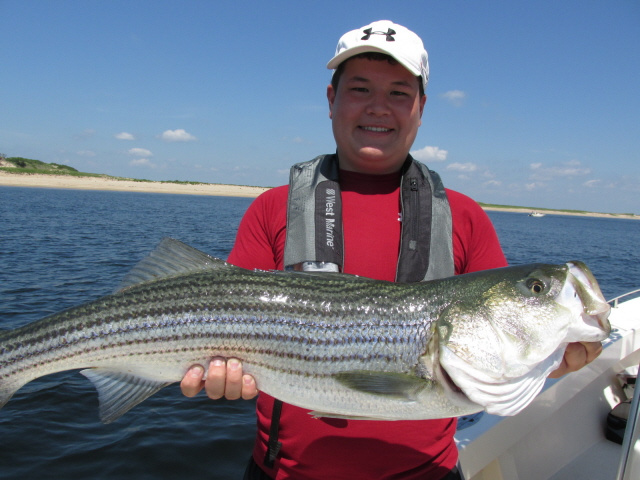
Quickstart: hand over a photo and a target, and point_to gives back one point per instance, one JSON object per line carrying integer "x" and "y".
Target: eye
{"x": 535, "y": 286}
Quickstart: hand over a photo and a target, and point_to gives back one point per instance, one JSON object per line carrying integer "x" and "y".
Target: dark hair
{"x": 378, "y": 57}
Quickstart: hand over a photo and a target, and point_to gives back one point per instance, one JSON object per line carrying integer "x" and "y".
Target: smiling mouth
{"x": 376, "y": 129}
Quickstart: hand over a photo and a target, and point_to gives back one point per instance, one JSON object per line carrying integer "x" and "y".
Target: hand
{"x": 224, "y": 379}
{"x": 576, "y": 356}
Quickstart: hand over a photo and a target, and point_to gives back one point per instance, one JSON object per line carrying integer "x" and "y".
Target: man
{"x": 370, "y": 210}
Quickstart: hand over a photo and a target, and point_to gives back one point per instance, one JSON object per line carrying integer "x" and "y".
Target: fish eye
{"x": 535, "y": 286}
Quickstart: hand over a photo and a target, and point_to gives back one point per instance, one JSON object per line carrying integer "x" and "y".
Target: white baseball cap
{"x": 387, "y": 37}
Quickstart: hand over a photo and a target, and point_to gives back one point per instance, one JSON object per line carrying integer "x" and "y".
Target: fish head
{"x": 506, "y": 330}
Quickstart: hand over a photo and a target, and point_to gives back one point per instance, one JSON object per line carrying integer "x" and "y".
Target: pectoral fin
{"x": 399, "y": 385}
{"x": 118, "y": 392}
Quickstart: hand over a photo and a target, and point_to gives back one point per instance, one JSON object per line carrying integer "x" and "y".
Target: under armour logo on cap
{"x": 369, "y": 31}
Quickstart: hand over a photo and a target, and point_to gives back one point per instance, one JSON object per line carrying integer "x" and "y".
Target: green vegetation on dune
{"x": 28, "y": 165}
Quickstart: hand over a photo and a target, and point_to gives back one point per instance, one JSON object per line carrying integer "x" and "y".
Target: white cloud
{"x": 178, "y": 135}
{"x": 86, "y": 153}
{"x": 430, "y": 154}
{"x": 299, "y": 140}
{"x": 463, "y": 167}
{"x": 142, "y": 162}
{"x": 124, "y": 136}
{"x": 569, "y": 171}
{"x": 140, "y": 152}
{"x": 572, "y": 168}
{"x": 87, "y": 133}
{"x": 455, "y": 97}
{"x": 492, "y": 183}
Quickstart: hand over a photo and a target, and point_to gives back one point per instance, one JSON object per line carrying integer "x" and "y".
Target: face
{"x": 375, "y": 112}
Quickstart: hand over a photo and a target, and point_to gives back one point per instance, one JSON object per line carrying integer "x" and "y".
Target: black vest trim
{"x": 274, "y": 446}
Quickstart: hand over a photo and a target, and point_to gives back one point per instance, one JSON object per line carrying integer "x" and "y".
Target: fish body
{"x": 338, "y": 345}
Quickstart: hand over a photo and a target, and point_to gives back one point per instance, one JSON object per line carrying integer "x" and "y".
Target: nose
{"x": 378, "y": 104}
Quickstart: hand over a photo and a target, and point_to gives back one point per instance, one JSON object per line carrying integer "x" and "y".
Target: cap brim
{"x": 352, "y": 52}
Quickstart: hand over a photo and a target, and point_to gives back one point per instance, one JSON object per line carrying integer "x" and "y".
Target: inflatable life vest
{"x": 314, "y": 238}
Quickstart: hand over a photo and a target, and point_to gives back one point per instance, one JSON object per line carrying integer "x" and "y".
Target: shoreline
{"x": 34, "y": 180}
{"x": 545, "y": 211}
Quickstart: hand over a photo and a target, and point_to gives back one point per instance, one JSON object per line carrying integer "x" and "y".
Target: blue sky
{"x": 531, "y": 103}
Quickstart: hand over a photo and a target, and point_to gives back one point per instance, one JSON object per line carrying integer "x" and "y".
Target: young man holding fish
{"x": 373, "y": 211}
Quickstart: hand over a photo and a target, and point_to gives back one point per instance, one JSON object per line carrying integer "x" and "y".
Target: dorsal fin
{"x": 171, "y": 257}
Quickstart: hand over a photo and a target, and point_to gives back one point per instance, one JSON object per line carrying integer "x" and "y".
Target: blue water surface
{"x": 61, "y": 248}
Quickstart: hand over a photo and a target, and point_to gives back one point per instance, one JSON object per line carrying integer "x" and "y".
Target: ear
{"x": 423, "y": 101}
{"x": 331, "y": 96}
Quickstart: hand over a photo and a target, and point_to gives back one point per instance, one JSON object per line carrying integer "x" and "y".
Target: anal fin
{"x": 118, "y": 392}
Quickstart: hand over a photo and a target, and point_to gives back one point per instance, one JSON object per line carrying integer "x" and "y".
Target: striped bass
{"x": 336, "y": 344}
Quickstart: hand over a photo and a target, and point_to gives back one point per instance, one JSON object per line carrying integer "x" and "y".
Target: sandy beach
{"x": 222, "y": 190}
{"x": 99, "y": 183}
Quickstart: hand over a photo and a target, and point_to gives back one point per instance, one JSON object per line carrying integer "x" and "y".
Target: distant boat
{"x": 536, "y": 214}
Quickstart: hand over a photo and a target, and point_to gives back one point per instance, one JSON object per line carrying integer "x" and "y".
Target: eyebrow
{"x": 366, "y": 80}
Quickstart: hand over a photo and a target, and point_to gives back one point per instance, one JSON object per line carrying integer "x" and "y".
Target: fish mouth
{"x": 595, "y": 310}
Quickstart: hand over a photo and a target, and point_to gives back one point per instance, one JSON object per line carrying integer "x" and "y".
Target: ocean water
{"x": 60, "y": 248}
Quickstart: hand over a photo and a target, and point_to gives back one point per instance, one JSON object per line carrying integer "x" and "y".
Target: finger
{"x": 214, "y": 384}
{"x": 575, "y": 356}
{"x": 249, "y": 387}
{"x": 192, "y": 382}
{"x": 593, "y": 349}
{"x": 233, "y": 384}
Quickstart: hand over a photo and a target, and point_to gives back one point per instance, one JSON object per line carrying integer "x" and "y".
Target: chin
{"x": 379, "y": 162}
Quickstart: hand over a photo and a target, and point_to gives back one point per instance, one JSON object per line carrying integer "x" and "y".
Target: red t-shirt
{"x": 326, "y": 448}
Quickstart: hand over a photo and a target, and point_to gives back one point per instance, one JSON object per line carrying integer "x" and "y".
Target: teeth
{"x": 376, "y": 129}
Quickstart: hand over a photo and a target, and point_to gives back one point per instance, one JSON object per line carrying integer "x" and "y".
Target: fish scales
{"x": 172, "y": 317}
{"x": 336, "y": 344}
